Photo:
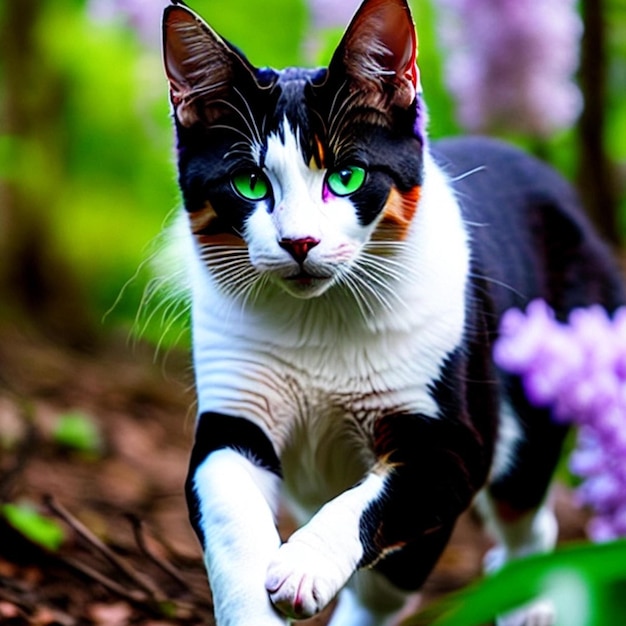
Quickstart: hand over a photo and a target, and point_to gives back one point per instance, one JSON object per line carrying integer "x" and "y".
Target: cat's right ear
{"x": 199, "y": 65}
{"x": 378, "y": 52}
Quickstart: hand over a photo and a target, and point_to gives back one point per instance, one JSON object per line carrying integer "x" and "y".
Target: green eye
{"x": 251, "y": 185}
{"x": 347, "y": 180}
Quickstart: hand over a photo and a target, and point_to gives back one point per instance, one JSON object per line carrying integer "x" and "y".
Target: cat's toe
{"x": 294, "y": 596}
{"x": 300, "y": 582}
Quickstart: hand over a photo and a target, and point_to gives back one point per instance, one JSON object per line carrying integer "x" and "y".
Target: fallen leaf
{"x": 8, "y": 610}
{"x": 118, "y": 614}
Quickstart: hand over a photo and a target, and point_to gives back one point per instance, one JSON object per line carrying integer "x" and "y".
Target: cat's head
{"x": 303, "y": 178}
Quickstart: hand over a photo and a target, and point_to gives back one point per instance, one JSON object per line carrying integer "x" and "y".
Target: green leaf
{"x": 37, "y": 528}
{"x": 586, "y": 584}
{"x": 168, "y": 608}
{"x": 78, "y": 431}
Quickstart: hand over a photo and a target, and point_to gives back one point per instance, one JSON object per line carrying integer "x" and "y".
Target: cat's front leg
{"x": 318, "y": 559}
{"x": 397, "y": 520}
{"x": 232, "y": 502}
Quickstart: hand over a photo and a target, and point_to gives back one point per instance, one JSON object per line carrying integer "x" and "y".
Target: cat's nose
{"x": 298, "y": 248}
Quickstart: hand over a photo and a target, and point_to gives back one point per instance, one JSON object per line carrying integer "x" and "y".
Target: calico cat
{"x": 348, "y": 277}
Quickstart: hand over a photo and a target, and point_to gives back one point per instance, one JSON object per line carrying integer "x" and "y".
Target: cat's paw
{"x": 301, "y": 580}
{"x": 539, "y": 613}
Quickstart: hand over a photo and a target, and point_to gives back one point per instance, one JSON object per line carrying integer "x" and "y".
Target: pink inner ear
{"x": 178, "y": 24}
{"x": 389, "y": 24}
{"x": 197, "y": 62}
{"x": 400, "y": 38}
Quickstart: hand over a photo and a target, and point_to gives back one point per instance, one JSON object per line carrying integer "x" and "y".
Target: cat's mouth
{"x": 305, "y": 285}
{"x": 304, "y": 278}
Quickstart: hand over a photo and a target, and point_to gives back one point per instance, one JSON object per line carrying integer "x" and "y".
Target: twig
{"x": 200, "y": 599}
{"x": 134, "y": 596}
{"x": 137, "y": 598}
{"x": 18, "y": 600}
{"x": 168, "y": 568}
{"x": 147, "y": 585}
{"x": 169, "y": 548}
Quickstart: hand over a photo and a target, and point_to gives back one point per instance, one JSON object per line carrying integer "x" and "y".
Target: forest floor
{"x": 129, "y": 555}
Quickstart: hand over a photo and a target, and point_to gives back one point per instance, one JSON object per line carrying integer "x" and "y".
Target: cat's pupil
{"x": 346, "y": 181}
{"x": 251, "y": 185}
{"x": 254, "y": 180}
{"x": 345, "y": 176}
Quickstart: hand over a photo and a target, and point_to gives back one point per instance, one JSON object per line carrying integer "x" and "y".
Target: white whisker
{"x": 364, "y": 278}
{"x": 170, "y": 320}
{"x": 241, "y": 148}
{"x": 158, "y": 299}
{"x": 337, "y": 116}
{"x": 480, "y": 168}
{"x": 348, "y": 281}
{"x": 389, "y": 267}
{"x": 233, "y": 129}
{"x": 222, "y": 263}
{"x": 255, "y": 129}
{"x": 499, "y": 283}
{"x": 240, "y": 292}
{"x": 223, "y": 250}
{"x": 254, "y": 136}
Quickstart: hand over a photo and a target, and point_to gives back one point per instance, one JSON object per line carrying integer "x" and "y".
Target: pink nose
{"x": 298, "y": 248}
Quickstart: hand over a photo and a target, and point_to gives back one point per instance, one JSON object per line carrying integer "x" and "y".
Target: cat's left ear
{"x": 199, "y": 64}
{"x": 379, "y": 51}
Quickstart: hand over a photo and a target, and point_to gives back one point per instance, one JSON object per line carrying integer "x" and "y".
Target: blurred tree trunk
{"x": 597, "y": 182}
{"x": 34, "y": 281}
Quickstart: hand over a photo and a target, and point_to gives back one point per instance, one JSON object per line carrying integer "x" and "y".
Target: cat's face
{"x": 304, "y": 178}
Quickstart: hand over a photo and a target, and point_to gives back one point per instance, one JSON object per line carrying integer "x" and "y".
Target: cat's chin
{"x": 306, "y": 287}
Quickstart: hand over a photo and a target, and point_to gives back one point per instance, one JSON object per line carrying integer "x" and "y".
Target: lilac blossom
{"x": 331, "y": 13}
{"x": 578, "y": 369}
{"x": 144, "y": 16}
{"x": 510, "y": 64}
{"x": 325, "y": 15}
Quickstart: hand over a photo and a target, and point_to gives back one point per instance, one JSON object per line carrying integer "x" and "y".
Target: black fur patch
{"x": 437, "y": 468}
{"x": 530, "y": 237}
{"x": 216, "y": 432}
{"x": 438, "y": 464}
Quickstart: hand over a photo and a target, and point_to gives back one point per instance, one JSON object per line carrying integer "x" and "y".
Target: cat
{"x": 347, "y": 280}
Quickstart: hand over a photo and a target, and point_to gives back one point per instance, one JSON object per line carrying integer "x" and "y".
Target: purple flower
{"x": 528, "y": 333}
{"x": 578, "y": 369}
{"x": 331, "y": 13}
{"x": 510, "y": 63}
{"x": 600, "y": 529}
{"x": 144, "y": 16}
{"x": 325, "y": 15}
{"x": 586, "y": 462}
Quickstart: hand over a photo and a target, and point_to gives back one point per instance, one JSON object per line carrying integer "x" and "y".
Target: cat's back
{"x": 529, "y": 235}
{"x": 496, "y": 180}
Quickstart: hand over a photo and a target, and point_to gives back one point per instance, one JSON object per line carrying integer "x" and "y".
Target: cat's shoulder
{"x": 502, "y": 182}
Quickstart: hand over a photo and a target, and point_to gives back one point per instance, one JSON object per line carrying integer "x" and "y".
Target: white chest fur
{"x": 316, "y": 373}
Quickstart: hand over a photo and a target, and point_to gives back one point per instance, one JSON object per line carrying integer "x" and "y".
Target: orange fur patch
{"x": 398, "y": 214}
{"x": 204, "y": 226}
{"x": 201, "y": 220}
{"x": 222, "y": 239}
{"x": 319, "y": 155}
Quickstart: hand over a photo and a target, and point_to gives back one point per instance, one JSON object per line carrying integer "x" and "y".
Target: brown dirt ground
{"x": 145, "y": 412}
